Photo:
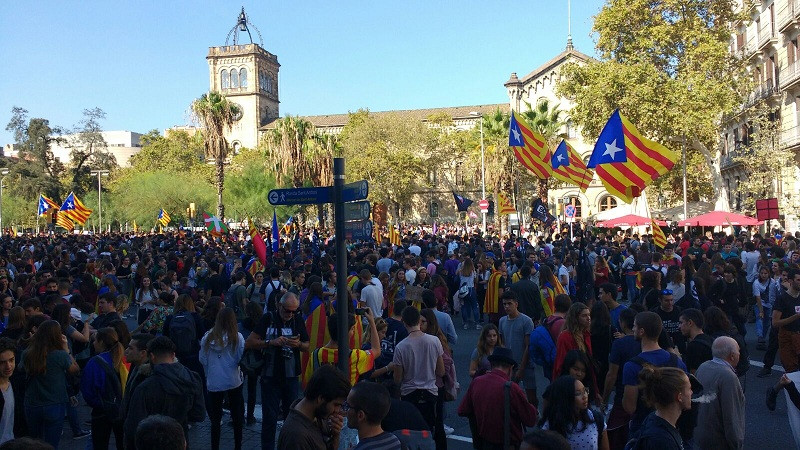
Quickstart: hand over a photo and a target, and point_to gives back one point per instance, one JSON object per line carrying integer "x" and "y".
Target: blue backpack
{"x": 542, "y": 348}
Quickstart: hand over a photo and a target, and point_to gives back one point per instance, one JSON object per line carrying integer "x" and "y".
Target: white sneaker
{"x": 448, "y": 430}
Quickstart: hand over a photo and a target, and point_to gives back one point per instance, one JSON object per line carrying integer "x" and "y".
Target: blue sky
{"x": 143, "y": 62}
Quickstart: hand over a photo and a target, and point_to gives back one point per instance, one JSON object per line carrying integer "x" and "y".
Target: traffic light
{"x": 491, "y": 208}
{"x": 434, "y": 210}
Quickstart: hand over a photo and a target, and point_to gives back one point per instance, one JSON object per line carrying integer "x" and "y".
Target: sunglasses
{"x": 347, "y": 407}
{"x": 666, "y": 292}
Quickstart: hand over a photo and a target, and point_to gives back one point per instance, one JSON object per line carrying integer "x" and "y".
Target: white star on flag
{"x": 560, "y": 157}
{"x": 612, "y": 149}
{"x": 515, "y": 132}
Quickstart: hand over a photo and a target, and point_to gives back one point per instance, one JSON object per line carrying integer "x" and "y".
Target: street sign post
{"x": 301, "y": 196}
{"x": 484, "y": 205}
{"x": 358, "y": 229}
{"x": 356, "y": 211}
{"x": 355, "y": 191}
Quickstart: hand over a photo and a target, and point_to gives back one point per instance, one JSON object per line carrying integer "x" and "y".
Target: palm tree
{"x": 216, "y": 114}
{"x": 547, "y": 121}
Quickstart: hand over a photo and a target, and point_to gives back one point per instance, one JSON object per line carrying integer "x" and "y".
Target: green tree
{"x": 36, "y": 171}
{"x": 666, "y": 65}
{"x": 178, "y": 153}
{"x": 88, "y": 151}
{"x": 216, "y": 114}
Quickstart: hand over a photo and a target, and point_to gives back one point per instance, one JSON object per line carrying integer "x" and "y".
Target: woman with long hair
{"x": 488, "y": 340}
{"x": 602, "y": 335}
{"x": 568, "y": 414}
{"x": 212, "y": 308}
{"x": 106, "y": 367}
{"x": 154, "y": 324}
{"x": 669, "y": 391}
{"x": 220, "y": 352}
{"x": 47, "y": 362}
{"x": 422, "y": 278}
{"x": 145, "y": 298}
{"x": 397, "y": 287}
{"x": 439, "y": 288}
{"x": 16, "y": 324}
{"x": 314, "y": 298}
{"x": 576, "y": 335}
{"x": 466, "y": 279}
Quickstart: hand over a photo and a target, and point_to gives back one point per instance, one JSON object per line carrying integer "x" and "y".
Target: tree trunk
{"x": 220, "y": 162}
{"x": 321, "y": 215}
{"x": 720, "y": 190}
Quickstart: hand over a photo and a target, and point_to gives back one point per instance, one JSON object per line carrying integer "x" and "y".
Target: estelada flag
{"x": 317, "y": 327}
{"x": 625, "y": 161}
{"x": 75, "y": 210}
{"x": 569, "y": 167}
{"x": 530, "y": 147}
{"x": 45, "y": 205}
{"x": 491, "y": 303}
{"x": 64, "y": 222}
{"x": 506, "y": 207}
{"x": 658, "y": 234}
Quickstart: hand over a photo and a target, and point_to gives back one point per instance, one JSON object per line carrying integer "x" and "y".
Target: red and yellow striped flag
{"x": 64, "y": 222}
{"x": 394, "y": 236}
{"x": 505, "y": 205}
{"x": 658, "y": 234}
{"x": 569, "y": 167}
{"x": 530, "y": 147}
{"x": 317, "y": 327}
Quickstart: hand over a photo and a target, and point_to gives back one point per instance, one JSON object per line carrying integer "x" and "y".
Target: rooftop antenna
{"x": 243, "y": 24}
{"x": 569, "y": 25}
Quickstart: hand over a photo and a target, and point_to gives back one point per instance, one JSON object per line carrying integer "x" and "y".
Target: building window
{"x": 571, "y": 132}
{"x": 576, "y": 202}
{"x": 243, "y": 77}
{"x": 234, "y": 78}
{"x": 607, "y": 203}
{"x": 226, "y": 80}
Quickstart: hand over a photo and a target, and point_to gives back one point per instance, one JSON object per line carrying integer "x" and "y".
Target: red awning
{"x": 631, "y": 220}
{"x": 719, "y": 218}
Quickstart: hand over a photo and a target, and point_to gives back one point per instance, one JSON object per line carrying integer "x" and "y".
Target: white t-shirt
{"x": 414, "y": 249}
{"x": 585, "y": 439}
{"x": 7, "y": 422}
{"x": 417, "y": 355}
{"x": 373, "y": 297}
{"x": 411, "y": 275}
{"x": 562, "y": 271}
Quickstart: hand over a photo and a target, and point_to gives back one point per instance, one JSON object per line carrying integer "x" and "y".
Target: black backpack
{"x": 274, "y": 296}
{"x": 183, "y": 332}
{"x": 111, "y": 395}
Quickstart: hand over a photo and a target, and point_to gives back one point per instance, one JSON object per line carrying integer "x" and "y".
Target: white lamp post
{"x": 99, "y": 173}
{"x": 483, "y": 170}
{"x": 4, "y": 173}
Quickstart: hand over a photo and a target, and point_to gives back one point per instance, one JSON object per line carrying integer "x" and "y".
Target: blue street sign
{"x": 356, "y": 211}
{"x": 301, "y": 196}
{"x": 358, "y": 230}
{"x": 355, "y": 191}
{"x": 569, "y": 211}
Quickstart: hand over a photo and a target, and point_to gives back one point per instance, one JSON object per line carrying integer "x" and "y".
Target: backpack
{"x": 415, "y": 440}
{"x": 541, "y": 346}
{"x": 111, "y": 396}
{"x": 183, "y": 332}
{"x": 272, "y": 300}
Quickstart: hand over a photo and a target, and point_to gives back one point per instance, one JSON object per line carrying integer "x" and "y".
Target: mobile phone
{"x": 360, "y": 311}
{"x": 296, "y": 336}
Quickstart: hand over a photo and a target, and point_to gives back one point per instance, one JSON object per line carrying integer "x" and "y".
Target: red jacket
{"x": 566, "y": 342}
{"x": 485, "y": 400}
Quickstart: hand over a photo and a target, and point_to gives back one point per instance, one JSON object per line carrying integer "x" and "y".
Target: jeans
{"x": 762, "y": 325}
{"x": 252, "y": 384}
{"x": 46, "y": 422}
{"x": 277, "y": 395}
{"x": 73, "y": 419}
{"x": 469, "y": 311}
{"x": 633, "y": 293}
{"x": 237, "y": 414}
{"x": 101, "y": 431}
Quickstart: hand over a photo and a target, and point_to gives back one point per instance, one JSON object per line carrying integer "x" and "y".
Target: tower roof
{"x": 243, "y": 24}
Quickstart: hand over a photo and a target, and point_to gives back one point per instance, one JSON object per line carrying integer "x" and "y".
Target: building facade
{"x": 768, "y": 42}
{"x": 121, "y": 144}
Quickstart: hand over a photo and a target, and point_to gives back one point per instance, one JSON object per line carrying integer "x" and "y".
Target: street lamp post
{"x": 4, "y": 173}
{"x": 99, "y": 173}
{"x": 483, "y": 170}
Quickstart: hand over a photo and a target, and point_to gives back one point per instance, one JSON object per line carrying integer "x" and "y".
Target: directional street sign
{"x": 356, "y": 211}
{"x": 359, "y": 230}
{"x": 355, "y": 191}
{"x": 301, "y": 196}
{"x": 316, "y": 195}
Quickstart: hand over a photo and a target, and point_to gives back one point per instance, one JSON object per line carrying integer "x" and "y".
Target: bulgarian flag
{"x": 214, "y": 225}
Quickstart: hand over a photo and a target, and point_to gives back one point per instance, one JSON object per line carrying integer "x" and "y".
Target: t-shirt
{"x": 563, "y": 272}
{"x": 7, "y": 421}
{"x": 515, "y": 334}
{"x": 671, "y": 324}
{"x": 271, "y": 328}
{"x": 698, "y": 351}
{"x": 300, "y": 433}
{"x": 417, "y": 355}
{"x": 584, "y": 436}
{"x": 382, "y": 441}
{"x": 615, "y": 316}
{"x": 372, "y": 296}
{"x": 49, "y": 388}
{"x": 622, "y": 350}
{"x": 761, "y": 289}
{"x": 395, "y": 332}
{"x": 658, "y": 358}
{"x": 788, "y": 306}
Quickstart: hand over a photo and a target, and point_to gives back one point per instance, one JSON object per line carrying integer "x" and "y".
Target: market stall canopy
{"x": 719, "y": 218}
{"x": 631, "y": 220}
{"x": 692, "y": 208}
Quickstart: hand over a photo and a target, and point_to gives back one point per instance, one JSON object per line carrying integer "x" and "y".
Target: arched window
{"x": 243, "y": 77}
{"x": 226, "y": 80}
{"x": 607, "y": 203}
{"x": 234, "y": 78}
{"x": 576, "y": 202}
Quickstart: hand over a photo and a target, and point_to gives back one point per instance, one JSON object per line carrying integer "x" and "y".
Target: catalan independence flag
{"x": 626, "y": 161}
{"x": 163, "y": 218}
{"x": 64, "y": 222}
{"x": 45, "y": 205}
{"x": 491, "y": 303}
{"x": 505, "y": 205}
{"x": 317, "y": 327}
{"x": 530, "y": 147}
{"x": 74, "y": 209}
{"x": 658, "y": 234}
{"x": 394, "y": 236}
{"x": 569, "y": 167}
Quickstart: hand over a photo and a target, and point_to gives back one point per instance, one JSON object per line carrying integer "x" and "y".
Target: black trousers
{"x": 236, "y": 402}
{"x": 101, "y": 431}
{"x": 252, "y": 386}
{"x": 772, "y": 348}
{"x": 425, "y": 402}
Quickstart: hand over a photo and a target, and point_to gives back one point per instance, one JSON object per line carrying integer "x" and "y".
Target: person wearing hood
{"x": 220, "y": 352}
{"x": 171, "y": 390}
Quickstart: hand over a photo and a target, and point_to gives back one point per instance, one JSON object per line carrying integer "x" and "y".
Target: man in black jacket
{"x": 171, "y": 390}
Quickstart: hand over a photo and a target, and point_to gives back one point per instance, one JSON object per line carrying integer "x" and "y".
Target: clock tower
{"x": 247, "y": 75}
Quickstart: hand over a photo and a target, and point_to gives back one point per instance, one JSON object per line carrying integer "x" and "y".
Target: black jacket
{"x": 658, "y": 434}
{"x": 171, "y": 390}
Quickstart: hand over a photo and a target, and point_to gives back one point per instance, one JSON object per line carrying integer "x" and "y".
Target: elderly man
{"x": 720, "y": 423}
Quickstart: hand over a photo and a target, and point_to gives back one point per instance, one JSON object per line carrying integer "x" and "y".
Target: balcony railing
{"x": 790, "y": 138}
{"x": 790, "y": 75}
{"x": 729, "y": 159}
{"x": 766, "y": 35}
{"x": 788, "y": 15}
{"x": 766, "y": 90}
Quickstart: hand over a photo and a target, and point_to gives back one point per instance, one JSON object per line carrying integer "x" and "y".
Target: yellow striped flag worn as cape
{"x": 491, "y": 304}
{"x": 530, "y": 147}
{"x": 658, "y": 234}
{"x": 625, "y": 161}
{"x": 317, "y": 327}
{"x": 505, "y": 205}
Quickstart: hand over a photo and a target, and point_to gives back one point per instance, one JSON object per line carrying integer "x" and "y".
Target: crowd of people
{"x": 157, "y": 332}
